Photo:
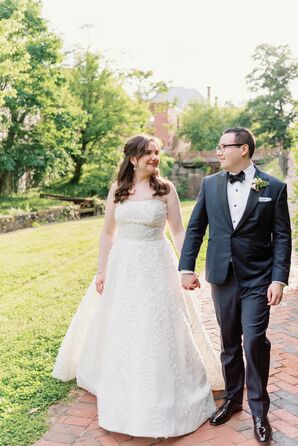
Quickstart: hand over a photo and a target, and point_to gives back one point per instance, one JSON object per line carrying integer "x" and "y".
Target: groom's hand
{"x": 274, "y": 293}
{"x": 190, "y": 281}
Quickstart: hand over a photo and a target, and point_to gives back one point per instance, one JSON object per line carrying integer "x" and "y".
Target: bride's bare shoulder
{"x": 111, "y": 194}
{"x": 113, "y": 188}
{"x": 172, "y": 187}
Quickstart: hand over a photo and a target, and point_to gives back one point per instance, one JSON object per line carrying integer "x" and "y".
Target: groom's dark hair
{"x": 243, "y": 136}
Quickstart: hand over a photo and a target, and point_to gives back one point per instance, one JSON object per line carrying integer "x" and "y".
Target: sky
{"x": 189, "y": 43}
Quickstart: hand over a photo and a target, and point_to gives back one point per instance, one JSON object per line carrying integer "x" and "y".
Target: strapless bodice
{"x": 141, "y": 220}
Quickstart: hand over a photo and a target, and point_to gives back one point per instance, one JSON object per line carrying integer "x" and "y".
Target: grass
{"x": 44, "y": 273}
{"x": 27, "y": 202}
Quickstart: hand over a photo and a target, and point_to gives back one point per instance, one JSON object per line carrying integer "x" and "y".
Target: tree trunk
{"x": 78, "y": 172}
{"x": 79, "y": 162}
{"x": 6, "y": 183}
{"x": 283, "y": 162}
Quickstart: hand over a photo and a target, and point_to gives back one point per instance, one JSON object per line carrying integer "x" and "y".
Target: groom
{"x": 247, "y": 264}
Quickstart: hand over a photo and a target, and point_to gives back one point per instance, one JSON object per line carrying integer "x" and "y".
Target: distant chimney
{"x": 209, "y": 95}
{"x": 216, "y": 101}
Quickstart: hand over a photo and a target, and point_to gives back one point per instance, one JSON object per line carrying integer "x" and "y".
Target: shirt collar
{"x": 249, "y": 171}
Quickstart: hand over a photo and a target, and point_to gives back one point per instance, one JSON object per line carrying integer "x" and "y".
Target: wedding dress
{"x": 140, "y": 346}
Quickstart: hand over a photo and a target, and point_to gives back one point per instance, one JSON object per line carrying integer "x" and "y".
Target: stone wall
{"x": 187, "y": 180}
{"x": 60, "y": 213}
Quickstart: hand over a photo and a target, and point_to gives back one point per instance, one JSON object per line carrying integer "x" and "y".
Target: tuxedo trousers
{"x": 243, "y": 315}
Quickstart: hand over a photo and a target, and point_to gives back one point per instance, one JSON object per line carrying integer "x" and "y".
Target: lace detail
{"x": 146, "y": 225}
{"x": 137, "y": 346}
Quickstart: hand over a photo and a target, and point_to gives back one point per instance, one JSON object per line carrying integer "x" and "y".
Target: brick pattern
{"x": 77, "y": 423}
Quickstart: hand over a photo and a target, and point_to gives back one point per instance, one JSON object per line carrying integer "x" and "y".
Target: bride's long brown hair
{"x": 136, "y": 147}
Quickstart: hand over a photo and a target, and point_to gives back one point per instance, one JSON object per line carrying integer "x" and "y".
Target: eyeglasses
{"x": 224, "y": 146}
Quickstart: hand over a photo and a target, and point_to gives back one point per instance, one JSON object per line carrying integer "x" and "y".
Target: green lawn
{"x": 44, "y": 273}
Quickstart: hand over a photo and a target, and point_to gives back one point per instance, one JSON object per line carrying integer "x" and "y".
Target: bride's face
{"x": 149, "y": 162}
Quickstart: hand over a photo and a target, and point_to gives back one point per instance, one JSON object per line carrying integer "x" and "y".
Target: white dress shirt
{"x": 238, "y": 194}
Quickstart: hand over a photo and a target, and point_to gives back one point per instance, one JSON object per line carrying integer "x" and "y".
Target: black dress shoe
{"x": 224, "y": 412}
{"x": 262, "y": 429}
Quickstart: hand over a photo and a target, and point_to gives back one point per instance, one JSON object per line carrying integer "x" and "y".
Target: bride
{"x": 136, "y": 340}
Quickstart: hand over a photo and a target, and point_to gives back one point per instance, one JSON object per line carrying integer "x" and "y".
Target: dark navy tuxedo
{"x": 241, "y": 263}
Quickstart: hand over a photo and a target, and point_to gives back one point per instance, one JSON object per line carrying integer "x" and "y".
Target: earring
{"x": 134, "y": 167}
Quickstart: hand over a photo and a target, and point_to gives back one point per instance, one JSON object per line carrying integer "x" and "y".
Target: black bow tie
{"x": 239, "y": 177}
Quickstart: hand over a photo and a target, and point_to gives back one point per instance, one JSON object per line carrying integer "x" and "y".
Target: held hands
{"x": 190, "y": 281}
{"x": 99, "y": 282}
{"x": 274, "y": 293}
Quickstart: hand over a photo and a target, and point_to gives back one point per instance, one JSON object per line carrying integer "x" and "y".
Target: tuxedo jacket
{"x": 259, "y": 246}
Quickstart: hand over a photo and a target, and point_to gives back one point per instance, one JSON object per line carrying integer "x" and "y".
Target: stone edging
{"x": 10, "y": 223}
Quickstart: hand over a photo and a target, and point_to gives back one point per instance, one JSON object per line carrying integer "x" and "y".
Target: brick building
{"x": 166, "y": 108}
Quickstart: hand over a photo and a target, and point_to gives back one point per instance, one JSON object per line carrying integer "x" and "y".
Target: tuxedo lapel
{"x": 222, "y": 180}
{"x": 252, "y": 200}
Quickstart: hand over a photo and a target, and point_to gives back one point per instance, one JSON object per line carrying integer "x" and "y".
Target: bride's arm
{"x": 106, "y": 238}
{"x": 175, "y": 218}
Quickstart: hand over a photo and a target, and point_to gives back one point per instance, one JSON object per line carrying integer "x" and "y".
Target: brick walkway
{"x": 77, "y": 423}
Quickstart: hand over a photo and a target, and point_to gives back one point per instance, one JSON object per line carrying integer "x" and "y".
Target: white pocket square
{"x": 263, "y": 199}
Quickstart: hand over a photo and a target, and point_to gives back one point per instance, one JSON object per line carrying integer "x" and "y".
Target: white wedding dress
{"x": 140, "y": 346}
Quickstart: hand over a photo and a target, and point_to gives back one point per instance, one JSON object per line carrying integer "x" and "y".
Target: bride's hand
{"x": 99, "y": 282}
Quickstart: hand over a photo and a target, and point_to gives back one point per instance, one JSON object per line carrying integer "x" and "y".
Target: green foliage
{"x": 94, "y": 182}
{"x": 203, "y": 124}
{"x": 273, "y": 110}
{"x": 39, "y": 119}
{"x": 111, "y": 114}
{"x": 44, "y": 274}
{"x": 14, "y": 59}
{"x": 166, "y": 165}
{"x": 59, "y": 123}
{"x": 143, "y": 86}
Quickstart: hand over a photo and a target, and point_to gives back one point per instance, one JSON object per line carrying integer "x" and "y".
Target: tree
{"x": 111, "y": 114}
{"x": 14, "y": 58}
{"x": 143, "y": 86}
{"x": 273, "y": 110}
{"x": 40, "y": 116}
{"x": 203, "y": 124}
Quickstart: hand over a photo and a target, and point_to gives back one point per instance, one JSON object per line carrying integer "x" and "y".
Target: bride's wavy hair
{"x": 136, "y": 147}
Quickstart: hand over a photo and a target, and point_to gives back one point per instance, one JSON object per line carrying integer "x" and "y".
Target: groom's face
{"x": 230, "y": 155}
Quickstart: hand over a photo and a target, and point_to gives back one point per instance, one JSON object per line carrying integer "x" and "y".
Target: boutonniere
{"x": 258, "y": 184}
